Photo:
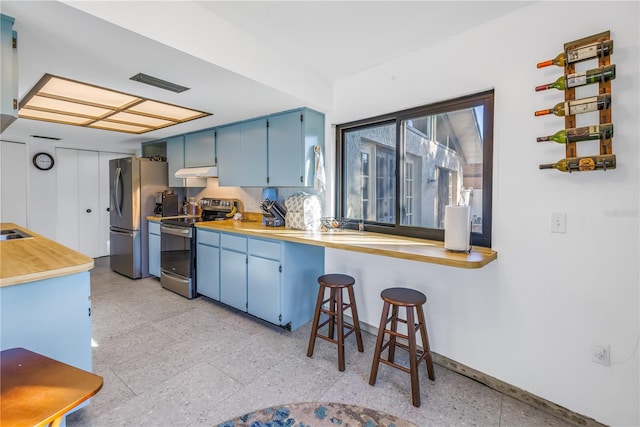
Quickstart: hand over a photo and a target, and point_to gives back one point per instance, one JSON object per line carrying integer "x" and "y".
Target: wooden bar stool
{"x": 336, "y": 283}
{"x": 410, "y": 299}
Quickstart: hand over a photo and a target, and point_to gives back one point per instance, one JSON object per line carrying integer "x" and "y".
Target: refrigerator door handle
{"x": 117, "y": 195}
{"x": 121, "y": 232}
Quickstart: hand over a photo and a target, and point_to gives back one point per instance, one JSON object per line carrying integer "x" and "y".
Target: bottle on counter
{"x": 583, "y": 78}
{"x": 593, "y": 50}
{"x": 578, "y": 106}
{"x": 585, "y": 133}
{"x": 587, "y": 163}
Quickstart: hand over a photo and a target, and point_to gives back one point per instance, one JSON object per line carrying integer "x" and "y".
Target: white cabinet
{"x": 200, "y": 149}
{"x": 13, "y": 183}
{"x": 9, "y": 74}
{"x": 154, "y": 248}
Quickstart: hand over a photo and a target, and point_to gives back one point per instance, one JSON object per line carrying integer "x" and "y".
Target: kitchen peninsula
{"x": 44, "y": 297}
{"x": 366, "y": 242}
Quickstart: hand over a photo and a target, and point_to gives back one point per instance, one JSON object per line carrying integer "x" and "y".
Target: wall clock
{"x": 43, "y": 161}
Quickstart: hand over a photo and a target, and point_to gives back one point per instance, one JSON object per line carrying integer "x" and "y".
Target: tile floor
{"x": 169, "y": 361}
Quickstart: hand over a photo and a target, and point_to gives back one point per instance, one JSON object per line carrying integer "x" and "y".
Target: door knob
{"x": 88, "y": 210}
{"x": 108, "y": 209}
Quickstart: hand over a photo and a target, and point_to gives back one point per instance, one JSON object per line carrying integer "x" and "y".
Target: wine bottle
{"x": 587, "y": 163}
{"x": 593, "y": 50}
{"x": 578, "y": 106}
{"x": 596, "y": 75}
{"x": 586, "y": 133}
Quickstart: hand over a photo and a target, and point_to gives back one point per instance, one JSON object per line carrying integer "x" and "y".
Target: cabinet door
{"x": 229, "y": 155}
{"x": 254, "y": 153}
{"x": 286, "y": 157}
{"x": 208, "y": 271}
{"x": 263, "y": 289}
{"x": 200, "y": 149}
{"x": 175, "y": 159}
{"x": 233, "y": 279}
{"x": 154, "y": 248}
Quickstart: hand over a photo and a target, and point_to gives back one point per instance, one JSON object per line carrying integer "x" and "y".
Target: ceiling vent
{"x": 53, "y": 138}
{"x": 162, "y": 84}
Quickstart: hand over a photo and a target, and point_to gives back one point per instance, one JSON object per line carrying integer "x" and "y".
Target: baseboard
{"x": 507, "y": 389}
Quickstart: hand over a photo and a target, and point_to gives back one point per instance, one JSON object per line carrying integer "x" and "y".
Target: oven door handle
{"x": 176, "y": 231}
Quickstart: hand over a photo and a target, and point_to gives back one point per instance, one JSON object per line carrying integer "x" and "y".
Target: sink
{"x": 12, "y": 234}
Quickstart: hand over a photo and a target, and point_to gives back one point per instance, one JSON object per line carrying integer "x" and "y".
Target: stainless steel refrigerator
{"x": 134, "y": 183}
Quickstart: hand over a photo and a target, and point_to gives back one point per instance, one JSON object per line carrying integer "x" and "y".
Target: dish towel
{"x": 320, "y": 181}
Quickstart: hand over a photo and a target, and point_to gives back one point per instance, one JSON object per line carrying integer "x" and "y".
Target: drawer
{"x": 265, "y": 248}
{"x": 233, "y": 242}
{"x": 154, "y": 227}
{"x": 211, "y": 238}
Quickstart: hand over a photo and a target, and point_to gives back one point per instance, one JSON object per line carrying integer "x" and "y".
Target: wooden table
{"x": 37, "y": 391}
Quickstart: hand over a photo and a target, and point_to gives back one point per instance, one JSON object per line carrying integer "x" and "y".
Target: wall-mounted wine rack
{"x": 596, "y": 47}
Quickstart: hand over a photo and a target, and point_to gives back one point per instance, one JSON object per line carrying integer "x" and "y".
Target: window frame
{"x": 486, "y": 99}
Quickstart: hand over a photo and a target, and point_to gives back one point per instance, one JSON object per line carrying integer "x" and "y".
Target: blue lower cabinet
{"x": 273, "y": 280}
{"x": 154, "y": 248}
{"x": 264, "y": 289}
{"x": 233, "y": 270}
{"x": 208, "y": 267}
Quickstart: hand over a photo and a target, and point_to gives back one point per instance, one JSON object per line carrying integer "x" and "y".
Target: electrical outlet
{"x": 601, "y": 354}
{"x": 558, "y": 222}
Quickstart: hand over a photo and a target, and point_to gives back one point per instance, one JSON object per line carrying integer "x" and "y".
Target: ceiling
{"x": 241, "y": 59}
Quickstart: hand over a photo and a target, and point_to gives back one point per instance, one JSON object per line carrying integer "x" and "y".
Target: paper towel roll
{"x": 457, "y": 228}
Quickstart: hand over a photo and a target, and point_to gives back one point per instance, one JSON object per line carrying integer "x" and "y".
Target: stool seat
{"x": 403, "y": 297}
{"x": 411, "y": 300}
{"x": 335, "y": 312}
{"x": 336, "y": 280}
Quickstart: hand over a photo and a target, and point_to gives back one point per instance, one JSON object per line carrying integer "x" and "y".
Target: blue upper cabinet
{"x": 200, "y": 149}
{"x": 242, "y": 154}
{"x": 292, "y": 138}
{"x": 9, "y": 75}
{"x": 274, "y": 151}
{"x": 175, "y": 159}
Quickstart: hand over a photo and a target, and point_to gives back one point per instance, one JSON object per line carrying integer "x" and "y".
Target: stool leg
{"x": 332, "y": 310}
{"x": 425, "y": 344}
{"x": 392, "y": 338}
{"x": 340, "y": 326}
{"x": 378, "y": 348}
{"x": 316, "y": 320}
{"x": 356, "y": 322}
{"x": 413, "y": 358}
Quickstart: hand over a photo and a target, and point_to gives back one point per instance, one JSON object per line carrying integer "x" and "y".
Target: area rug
{"x": 317, "y": 414}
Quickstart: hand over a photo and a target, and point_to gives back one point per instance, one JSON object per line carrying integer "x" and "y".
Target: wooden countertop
{"x": 372, "y": 243}
{"x": 37, "y": 258}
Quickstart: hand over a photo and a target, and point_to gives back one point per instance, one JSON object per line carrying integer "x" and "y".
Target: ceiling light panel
{"x": 60, "y": 100}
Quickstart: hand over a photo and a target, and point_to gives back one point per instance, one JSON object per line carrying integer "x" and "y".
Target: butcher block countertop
{"x": 372, "y": 243}
{"x": 36, "y": 258}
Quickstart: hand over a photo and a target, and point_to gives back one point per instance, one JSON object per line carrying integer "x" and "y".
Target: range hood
{"x": 204, "y": 172}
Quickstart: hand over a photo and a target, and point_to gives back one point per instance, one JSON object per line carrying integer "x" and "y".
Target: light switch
{"x": 558, "y": 222}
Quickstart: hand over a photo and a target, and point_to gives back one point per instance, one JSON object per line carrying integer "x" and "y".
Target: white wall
{"x": 532, "y": 317}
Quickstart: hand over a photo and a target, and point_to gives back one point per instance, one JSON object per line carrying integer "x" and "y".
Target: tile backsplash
{"x": 250, "y": 197}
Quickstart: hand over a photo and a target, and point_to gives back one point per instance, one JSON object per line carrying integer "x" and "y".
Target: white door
{"x": 67, "y": 188}
{"x": 13, "y": 183}
{"x": 89, "y": 233}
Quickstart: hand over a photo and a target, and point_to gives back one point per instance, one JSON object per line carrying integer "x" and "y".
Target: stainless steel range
{"x": 178, "y": 245}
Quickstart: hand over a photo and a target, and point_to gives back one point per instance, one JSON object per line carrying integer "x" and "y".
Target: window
{"x": 398, "y": 172}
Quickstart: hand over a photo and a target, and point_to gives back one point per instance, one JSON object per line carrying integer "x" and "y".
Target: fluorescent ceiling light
{"x": 60, "y": 100}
